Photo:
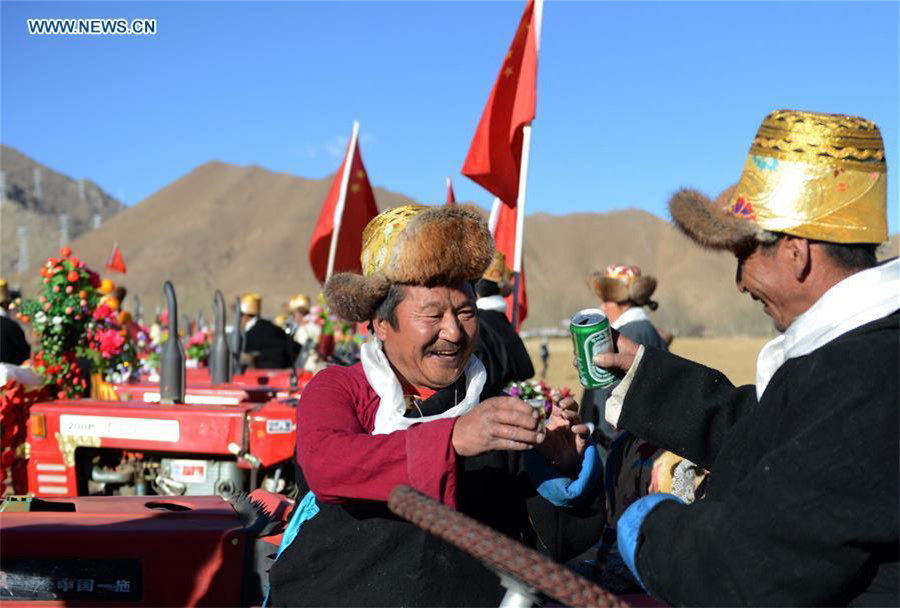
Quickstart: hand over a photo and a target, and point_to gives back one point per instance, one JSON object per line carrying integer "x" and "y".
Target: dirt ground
{"x": 735, "y": 357}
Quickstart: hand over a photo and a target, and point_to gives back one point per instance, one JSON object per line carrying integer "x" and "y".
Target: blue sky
{"x": 635, "y": 99}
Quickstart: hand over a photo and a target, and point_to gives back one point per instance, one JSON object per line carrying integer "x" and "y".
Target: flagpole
{"x": 495, "y": 215}
{"x": 523, "y": 178}
{"x": 342, "y": 199}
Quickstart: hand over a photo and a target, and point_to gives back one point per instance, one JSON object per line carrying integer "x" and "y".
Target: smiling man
{"x": 803, "y": 499}
{"x": 415, "y": 411}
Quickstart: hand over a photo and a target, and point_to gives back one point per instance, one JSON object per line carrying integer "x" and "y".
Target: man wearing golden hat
{"x": 414, "y": 411}
{"x": 500, "y": 348}
{"x": 14, "y": 346}
{"x": 265, "y": 344}
{"x": 803, "y": 502}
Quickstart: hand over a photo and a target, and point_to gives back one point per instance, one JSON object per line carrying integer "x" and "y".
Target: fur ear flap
{"x": 353, "y": 297}
{"x": 641, "y": 290}
{"x": 442, "y": 245}
{"x": 708, "y": 225}
{"x": 607, "y": 289}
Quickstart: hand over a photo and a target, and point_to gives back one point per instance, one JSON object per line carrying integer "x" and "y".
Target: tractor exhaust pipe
{"x": 171, "y": 369}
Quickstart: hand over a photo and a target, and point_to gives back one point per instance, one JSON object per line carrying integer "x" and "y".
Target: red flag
{"x": 494, "y": 159}
{"x": 359, "y": 209}
{"x": 505, "y": 243}
{"x": 451, "y": 200}
{"x": 115, "y": 261}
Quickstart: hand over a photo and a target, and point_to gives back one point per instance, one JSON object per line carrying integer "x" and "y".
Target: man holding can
{"x": 803, "y": 501}
{"x": 417, "y": 410}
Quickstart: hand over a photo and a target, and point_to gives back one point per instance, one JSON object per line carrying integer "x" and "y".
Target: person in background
{"x": 500, "y": 348}
{"x": 305, "y": 332}
{"x": 14, "y": 346}
{"x": 623, "y": 292}
{"x": 266, "y": 346}
{"x": 545, "y": 356}
{"x": 802, "y": 506}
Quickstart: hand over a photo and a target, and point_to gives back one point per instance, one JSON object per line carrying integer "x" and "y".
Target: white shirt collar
{"x": 250, "y": 324}
{"x": 496, "y": 303}
{"x": 635, "y": 313}
{"x": 859, "y": 299}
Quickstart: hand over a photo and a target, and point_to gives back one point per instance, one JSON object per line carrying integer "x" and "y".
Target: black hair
{"x": 485, "y": 288}
{"x": 387, "y": 309}
{"x": 847, "y": 256}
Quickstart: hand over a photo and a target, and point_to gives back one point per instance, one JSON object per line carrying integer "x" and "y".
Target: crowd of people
{"x": 696, "y": 491}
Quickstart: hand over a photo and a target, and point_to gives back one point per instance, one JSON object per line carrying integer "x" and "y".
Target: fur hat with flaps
{"x": 412, "y": 245}
{"x": 816, "y": 176}
{"x": 620, "y": 283}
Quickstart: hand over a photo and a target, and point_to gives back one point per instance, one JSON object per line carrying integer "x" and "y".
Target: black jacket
{"x": 803, "y": 500}
{"x": 501, "y": 350}
{"x": 272, "y": 346}
{"x": 13, "y": 345}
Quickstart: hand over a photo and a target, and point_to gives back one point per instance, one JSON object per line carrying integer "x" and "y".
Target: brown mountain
{"x": 37, "y": 204}
{"x": 247, "y": 228}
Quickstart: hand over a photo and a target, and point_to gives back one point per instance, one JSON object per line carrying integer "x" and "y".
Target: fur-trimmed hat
{"x": 501, "y": 274}
{"x": 251, "y": 304}
{"x": 620, "y": 283}
{"x": 412, "y": 245}
{"x": 816, "y": 176}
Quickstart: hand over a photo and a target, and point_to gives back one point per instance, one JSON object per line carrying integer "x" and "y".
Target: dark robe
{"x": 803, "y": 498}
{"x": 593, "y": 401}
{"x": 14, "y": 346}
{"x": 272, "y": 347}
{"x": 501, "y": 350}
{"x": 354, "y": 552}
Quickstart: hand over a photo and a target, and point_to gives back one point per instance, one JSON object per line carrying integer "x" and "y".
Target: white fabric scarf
{"x": 635, "y": 313}
{"x": 496, "y": 303}
{"x": 859, "y": 299}
{"x": 381, "y": 378}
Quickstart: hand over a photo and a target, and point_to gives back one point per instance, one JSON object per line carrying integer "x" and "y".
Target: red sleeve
{"x": 341, "y": 461}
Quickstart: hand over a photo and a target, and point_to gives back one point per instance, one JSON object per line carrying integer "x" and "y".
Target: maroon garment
{"x": 342, "y": 461}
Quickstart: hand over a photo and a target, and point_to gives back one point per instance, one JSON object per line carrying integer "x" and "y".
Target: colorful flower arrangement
{"x": 530, "y": 390}
{"x": 72, "y": 321}
{"x": 109, "y": 345}
{"x": 340, "y": 340}
{"x": 198, "y": 346}
{"x": 60, "y": 317}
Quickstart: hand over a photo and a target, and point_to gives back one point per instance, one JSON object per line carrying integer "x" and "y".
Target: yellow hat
{"x": 501, "y": 274}
{"x": 251, "y": 304}
{"x": 4, "y": 290}
{"x": 299, "y": 302}
{"x": 280, "y": 319}
{"x": 106, "y": 286}
{"x": 817, "y": 176}
{"x": 412, "y": 245}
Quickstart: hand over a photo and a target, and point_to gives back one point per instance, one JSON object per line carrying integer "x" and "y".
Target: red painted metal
{"x": 190, "y": 557}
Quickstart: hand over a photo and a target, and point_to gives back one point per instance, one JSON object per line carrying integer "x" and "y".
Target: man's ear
{"x": 797, "y": 255}
{"x": 381, "y": 327}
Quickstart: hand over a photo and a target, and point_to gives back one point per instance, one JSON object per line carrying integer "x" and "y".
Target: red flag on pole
{"x": 504, "y": 232}
{"x": 495, "y": 155}
{"x": 349, "y": 206}
{"x": 451, "y": 200}
{"x": 115, "y": 261}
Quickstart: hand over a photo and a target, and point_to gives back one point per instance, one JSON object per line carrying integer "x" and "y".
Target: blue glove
{"x": 564, "y": 491}
{"x": 629, "y": 528}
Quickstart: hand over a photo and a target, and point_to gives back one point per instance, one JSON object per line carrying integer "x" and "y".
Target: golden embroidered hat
{"x": 299, "y": 302}
{"x": 412, "y": 245}
{"x": 4, "y": 290}
{"x": 818, "y": 176}
{"x": 621, "y": 283}
{"x": 501, "y": 274}
{"x": 251, "y": 304}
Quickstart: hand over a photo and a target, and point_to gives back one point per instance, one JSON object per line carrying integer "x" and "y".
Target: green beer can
{"x": 591, "y": 336}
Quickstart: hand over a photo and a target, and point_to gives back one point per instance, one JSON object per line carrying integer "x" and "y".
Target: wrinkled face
{"x": 767, "y": 276}
{"x": 437, "y": 330}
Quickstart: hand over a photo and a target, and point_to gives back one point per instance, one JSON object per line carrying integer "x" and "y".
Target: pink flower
{"x": 110, "y": 342}
{"x": 197, "y": 338}
{"x": 101, "y": 312}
